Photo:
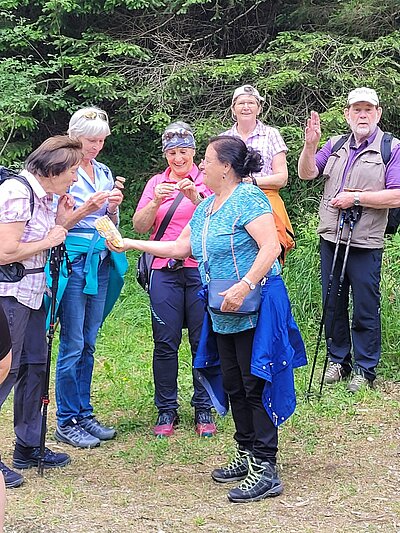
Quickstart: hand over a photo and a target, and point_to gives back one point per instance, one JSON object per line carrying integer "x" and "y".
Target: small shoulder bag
{"x": 145, "y": 261}
{"x": 251, "y": 303}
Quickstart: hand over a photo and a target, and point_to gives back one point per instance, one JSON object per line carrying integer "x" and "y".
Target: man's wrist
{"x": 356, "y": 199}
{"x": 112, "y": 213}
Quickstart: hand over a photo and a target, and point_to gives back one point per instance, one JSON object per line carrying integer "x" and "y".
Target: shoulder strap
{"x": 6, "y": 173}
{"x": 386, "y": 147}
{"x": 166, "y": 220}
{"x": 340, "y": 142}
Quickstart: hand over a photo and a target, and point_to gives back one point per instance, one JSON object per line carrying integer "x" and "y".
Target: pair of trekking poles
{"x": 348, "y": 216}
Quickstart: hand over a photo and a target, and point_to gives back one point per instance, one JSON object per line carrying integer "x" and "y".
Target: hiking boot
{"x": 334, "y": 373}
{"x": 93, "y": 426}
{"x": 358, "y": 381}
{"x": 12, "y": 479}
{"x": 166, "y": 422}
{"x": 236, "y": 470}
{"x": 29, "y": 457}
{"x": 205, "y": 425}
{"x": 261, "y": 482}
{"x": 72, "y": 433}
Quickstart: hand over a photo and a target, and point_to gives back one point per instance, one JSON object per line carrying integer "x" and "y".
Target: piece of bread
{"x": 106, "y": 227}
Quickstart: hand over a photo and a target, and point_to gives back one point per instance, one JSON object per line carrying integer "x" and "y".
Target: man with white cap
{"x": 355, "y": 174}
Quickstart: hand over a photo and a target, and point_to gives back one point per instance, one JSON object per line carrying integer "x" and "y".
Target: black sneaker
{"x": 205, "y": 425}
{"x": 166, "y": 422}
{"x": 12, "y": 479}
{"x": 93, "y": 426}
{"x": 236, "y": 470}
{"x": 29, "y": 457}
{"x": 262, "y": 482}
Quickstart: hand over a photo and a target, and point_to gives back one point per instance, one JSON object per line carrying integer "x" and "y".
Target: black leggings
{"x": 254, "y": 429}
{"x": 5, "y": 339}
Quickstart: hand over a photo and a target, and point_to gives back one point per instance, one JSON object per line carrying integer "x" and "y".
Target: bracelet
{"x": 111, "y": 214}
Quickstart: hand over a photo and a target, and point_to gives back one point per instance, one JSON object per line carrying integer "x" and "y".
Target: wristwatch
{"x": 249, "y": 283}
{"x": 356, "y": 199}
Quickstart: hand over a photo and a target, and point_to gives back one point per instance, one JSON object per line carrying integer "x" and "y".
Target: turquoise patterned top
{"x": 231, "y": 250}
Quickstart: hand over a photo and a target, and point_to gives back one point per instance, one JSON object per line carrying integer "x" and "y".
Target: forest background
{"x": 148, "y": 62}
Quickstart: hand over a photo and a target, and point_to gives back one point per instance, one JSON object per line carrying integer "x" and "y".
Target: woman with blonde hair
{"x": 85, "y": 293}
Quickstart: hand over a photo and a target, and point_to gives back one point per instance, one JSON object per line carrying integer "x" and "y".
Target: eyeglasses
{"x": 168, "y": 135}
{"x": 92, "y": 115}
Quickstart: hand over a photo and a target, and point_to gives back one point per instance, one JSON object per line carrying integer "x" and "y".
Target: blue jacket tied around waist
{"x": 76, "y": 246}
{"x": 277, "y": 349}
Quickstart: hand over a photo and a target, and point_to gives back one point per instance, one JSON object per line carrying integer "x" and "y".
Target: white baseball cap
{"x": 363, "y": 94}
{"x": 247, "y": 90}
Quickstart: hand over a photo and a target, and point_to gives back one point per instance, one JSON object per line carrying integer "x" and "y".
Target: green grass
{"x": 123, "y": 382}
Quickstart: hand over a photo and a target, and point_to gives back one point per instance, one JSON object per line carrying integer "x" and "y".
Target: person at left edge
{"x": 174, "y": 292}
{"x": 26, "y": 237}
{"x": 88, "y": 294}
{"x": 5, "y": 363}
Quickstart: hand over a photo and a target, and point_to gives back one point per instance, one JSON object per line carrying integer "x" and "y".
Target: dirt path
{"x": 341, "y": 474}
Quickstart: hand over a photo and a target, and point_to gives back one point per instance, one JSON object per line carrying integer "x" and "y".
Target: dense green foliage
{"x": 151, "y": 61}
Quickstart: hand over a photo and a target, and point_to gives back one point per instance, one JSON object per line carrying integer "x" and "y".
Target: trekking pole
{"x": 56, "y": 257}
{"x": 353, "y": 215}
{"x": 326, "y": 300}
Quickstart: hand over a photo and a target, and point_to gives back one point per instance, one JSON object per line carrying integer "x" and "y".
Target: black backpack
{"x": 14, "y": 272}
{"x": 386, "y": 151}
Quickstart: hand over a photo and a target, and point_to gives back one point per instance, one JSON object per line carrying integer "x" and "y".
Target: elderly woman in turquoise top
{"x": 241, "y": 244}
{"x": 83, "y": 301}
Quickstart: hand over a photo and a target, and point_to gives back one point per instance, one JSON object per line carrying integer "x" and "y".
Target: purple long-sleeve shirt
{"x": 392, "y": 175}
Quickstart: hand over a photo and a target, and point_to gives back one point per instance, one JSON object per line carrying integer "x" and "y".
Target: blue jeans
{"x": 81, "y": 316}
{"x": 175, "y": 304}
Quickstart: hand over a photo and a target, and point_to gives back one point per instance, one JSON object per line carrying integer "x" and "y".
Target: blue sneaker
{"x": 236, "y": 470}
{"x": 261, "y": 482}
{"x": 93, "y": 426}
{"x": 12, "y": 479}
{"x": 29, "y": 457}
{"x": 73, "y": 434}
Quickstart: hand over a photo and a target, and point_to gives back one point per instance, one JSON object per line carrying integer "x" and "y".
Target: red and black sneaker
{"x": 205, "y": 425}
{"x": 166, "y": 422}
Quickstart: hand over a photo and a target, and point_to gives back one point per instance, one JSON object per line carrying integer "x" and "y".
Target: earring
{"x": 224, "y": 175}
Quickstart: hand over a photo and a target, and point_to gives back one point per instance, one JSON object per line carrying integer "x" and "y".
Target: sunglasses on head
{"x": 168, "y": 135}
{"x": 91, "y": 115}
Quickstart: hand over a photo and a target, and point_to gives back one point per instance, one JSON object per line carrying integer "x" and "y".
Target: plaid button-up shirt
{"x": 268, "y": 141}
{"x": 15, "y": 207}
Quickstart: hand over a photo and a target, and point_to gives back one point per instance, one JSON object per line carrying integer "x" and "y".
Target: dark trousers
{"x": 175, "y": 304}
{"x": 254, "y": 429}
{"x": 28, "y": 369}
{"x": 362, "y": 275}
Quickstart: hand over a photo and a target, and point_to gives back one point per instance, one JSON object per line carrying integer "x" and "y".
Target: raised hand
{"x": 312, "y": 133}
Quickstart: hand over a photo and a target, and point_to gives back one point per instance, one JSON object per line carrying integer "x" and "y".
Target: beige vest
{"x": 366, "y": 173}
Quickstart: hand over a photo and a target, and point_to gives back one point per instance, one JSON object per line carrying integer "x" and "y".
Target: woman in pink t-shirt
{"x": 174, "y": 284}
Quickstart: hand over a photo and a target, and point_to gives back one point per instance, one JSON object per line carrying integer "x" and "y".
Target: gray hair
{"x": 89, "y": 122}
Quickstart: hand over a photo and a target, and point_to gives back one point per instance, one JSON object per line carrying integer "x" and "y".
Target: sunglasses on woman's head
{"x": 91, "y": 115}
{"x": 168, "y": 135}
